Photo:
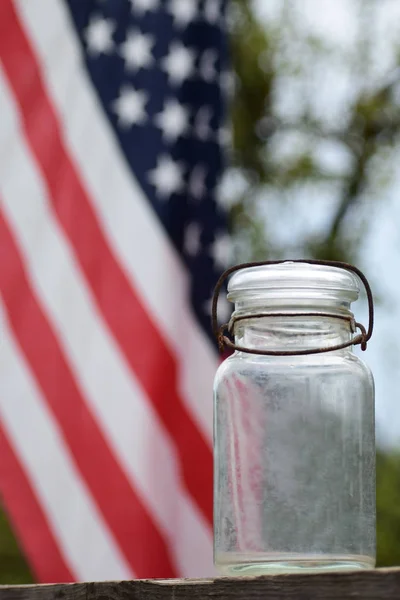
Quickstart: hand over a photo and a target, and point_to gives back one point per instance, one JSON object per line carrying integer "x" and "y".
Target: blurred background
{"x": 315, "y": 170}
{"x": 312, "y": 145}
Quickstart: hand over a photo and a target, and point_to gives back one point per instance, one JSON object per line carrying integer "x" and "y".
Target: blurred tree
{"x": 315, "y": 126}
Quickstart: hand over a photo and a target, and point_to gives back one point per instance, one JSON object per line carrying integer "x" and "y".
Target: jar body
{"x": 294, "y": 464}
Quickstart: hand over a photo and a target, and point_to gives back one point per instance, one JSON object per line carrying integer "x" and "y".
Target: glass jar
{"x": 294, "y": 435}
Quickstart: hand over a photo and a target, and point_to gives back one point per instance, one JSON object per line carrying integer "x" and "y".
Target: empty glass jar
{"x": 294, "y": 446}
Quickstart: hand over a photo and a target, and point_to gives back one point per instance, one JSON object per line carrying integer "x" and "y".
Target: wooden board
{"x": 379, "y": 584}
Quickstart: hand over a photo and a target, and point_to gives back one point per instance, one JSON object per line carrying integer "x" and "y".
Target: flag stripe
{"x": 83, "y": 538}
{"x": 131, "y": 426}
{"x": 128, "y": 518}
{"x": 127, "y": 220}
{"x": 130, "y": 324}
{"x": 23, "y": 509}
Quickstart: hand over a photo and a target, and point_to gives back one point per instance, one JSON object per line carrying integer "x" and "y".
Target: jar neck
{"x": 283, "y": 331}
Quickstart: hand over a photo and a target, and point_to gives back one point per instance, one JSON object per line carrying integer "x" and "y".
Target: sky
{"x": 381, "y": 254}
{"x": 337, "y": 22}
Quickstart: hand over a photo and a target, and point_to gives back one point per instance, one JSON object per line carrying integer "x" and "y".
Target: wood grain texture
{"x": 379, "y": 584}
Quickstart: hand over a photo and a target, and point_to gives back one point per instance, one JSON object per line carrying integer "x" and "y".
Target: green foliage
{"x": 279, "y": 59}
{"x": 248, "y": 43}
{"x": 388, "y": 509}
{"x": 13, "y": 567}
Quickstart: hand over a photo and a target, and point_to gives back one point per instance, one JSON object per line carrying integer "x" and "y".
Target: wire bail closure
{"x": 361, "y": 339}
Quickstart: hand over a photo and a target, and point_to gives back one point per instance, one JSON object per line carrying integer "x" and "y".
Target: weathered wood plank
{"x": 379, "y": 584}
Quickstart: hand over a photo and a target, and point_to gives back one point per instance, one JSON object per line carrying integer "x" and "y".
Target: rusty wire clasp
{"x": 361, "y": 339}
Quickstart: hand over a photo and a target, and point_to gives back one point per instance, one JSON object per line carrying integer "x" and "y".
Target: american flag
{"x": 111, "y": 125}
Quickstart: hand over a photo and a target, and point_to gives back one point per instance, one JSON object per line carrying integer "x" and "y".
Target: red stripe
{"x": 29, "y": 522}
{"x": 124, "y": 512}
{"x": 127, "y": 317}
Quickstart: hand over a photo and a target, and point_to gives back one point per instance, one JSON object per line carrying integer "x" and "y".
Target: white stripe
{"x": 127, "y": 218}
{"x": 83, "y": 537}
{"x": 128, "y": 420}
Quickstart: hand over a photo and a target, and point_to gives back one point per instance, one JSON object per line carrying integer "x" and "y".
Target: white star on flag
{"x": 192, "y": 239}
{"x": 222, "y": 251}
{"x": 136, "y": 50}
{"x": 179, "y": 64}
{"x": 183, "y": 11}
{"x": 142, "y": 6}
{"x": 224, "y": 136}
{"x": 207, "y": 65}
{"x": 167, "y": 177}
{"x": 202, "y": 123}
{"x": 129, "y": 107}
{"x": 224, "y": 308}
{"x": 98, "y": 36}
{"x": 227, "y": 83}
{"x": 197, "y": 182}
{"x": 173, "y": 120}
{"x": 212, "y": 10}
{"x": 224, "y": 197}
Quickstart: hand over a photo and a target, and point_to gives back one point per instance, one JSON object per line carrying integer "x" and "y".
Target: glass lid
{"x": 293, "y": 279}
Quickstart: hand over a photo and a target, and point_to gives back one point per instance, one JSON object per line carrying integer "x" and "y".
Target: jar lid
{"x": 294, "y": 279}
